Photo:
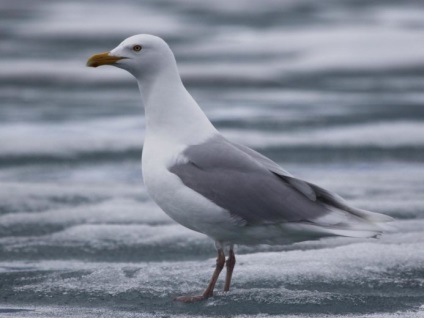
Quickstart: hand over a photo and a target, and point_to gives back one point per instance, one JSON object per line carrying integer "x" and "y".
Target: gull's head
{"x": 141, "y": 55}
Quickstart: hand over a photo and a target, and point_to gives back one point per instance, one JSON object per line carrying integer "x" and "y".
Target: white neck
{"x": 171, "y": 112}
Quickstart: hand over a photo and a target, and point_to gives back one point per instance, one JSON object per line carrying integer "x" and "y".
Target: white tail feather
{"x": 372, "y": 216}
{"x": 354, "y": 233}
{"x": 357, "y": 223}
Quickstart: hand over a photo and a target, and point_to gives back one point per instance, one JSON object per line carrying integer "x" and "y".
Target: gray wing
{"x": 312, "y": 191}
{"x": 300, "y": 185}
{"x": 248, "y": 185}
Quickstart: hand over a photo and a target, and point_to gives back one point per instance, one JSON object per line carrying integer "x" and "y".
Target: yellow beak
{"x": 103, "y": 59}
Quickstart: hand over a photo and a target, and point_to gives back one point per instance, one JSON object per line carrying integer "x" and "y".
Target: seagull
{"x": 217, "y": 187}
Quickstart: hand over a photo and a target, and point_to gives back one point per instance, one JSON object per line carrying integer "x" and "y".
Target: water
{"x": 332, "y": 90}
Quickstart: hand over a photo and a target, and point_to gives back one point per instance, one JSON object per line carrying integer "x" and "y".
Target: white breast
{"x": 181, "y": 203}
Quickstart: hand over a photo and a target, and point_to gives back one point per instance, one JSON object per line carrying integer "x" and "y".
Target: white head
{"x": 142, "y": 55}
{"x": 168, "y": 105}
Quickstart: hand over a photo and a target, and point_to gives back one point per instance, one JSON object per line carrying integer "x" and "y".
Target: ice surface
{"x": 56, "y": 311}
{"x": 382, "y": 134}
{"x": 73, "y": 137}
{"x": 353, "y": 273}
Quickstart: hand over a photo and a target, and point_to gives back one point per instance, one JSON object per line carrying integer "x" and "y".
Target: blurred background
{"x": 331, "y": 90}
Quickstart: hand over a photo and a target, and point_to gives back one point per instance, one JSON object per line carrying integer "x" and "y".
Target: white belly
{"x": 182, "y": 204}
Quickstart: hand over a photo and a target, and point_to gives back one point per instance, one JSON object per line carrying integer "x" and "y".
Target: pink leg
{"x": 230, "y": 263}
{"x": 220, "y": 261}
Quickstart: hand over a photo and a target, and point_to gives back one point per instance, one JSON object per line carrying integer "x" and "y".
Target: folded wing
{"x": 255, "y": 190}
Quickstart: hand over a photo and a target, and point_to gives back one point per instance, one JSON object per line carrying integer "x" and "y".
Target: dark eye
{"x": 137, "y": 48}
